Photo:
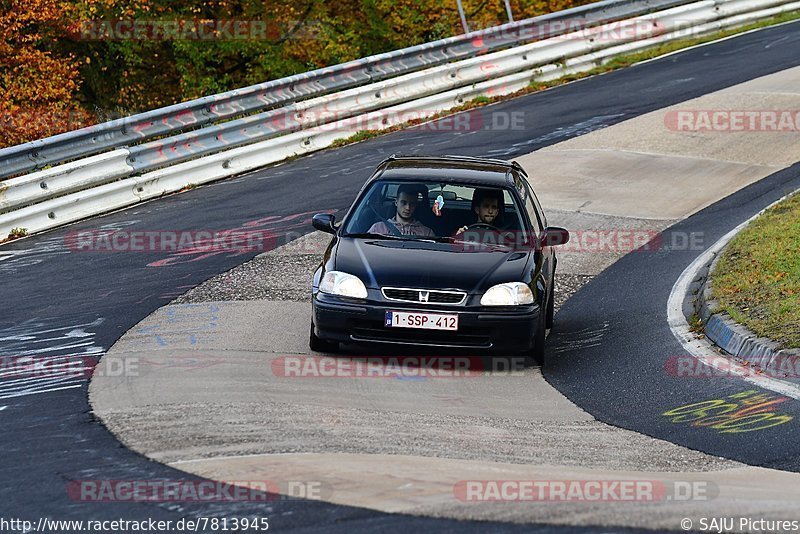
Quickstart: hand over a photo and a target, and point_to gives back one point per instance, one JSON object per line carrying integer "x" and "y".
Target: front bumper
{"x": 482, "y": 328}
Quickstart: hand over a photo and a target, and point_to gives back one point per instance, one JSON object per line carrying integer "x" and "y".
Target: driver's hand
{"x": 462, "y": 229}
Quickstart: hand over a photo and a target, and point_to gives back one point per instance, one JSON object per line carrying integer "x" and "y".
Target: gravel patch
{"x": 567, "y": 285}
{"x": 286, "y": 273}
{"x": 288, "y": 277}
{"x": 266, "y": 277}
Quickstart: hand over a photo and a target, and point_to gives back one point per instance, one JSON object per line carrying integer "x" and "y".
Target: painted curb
{"x": 733, "y": 338}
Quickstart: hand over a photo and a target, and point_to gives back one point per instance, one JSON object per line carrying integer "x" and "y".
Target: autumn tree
{"x": 65, "y": 63}
{"x": 39, "y": 83}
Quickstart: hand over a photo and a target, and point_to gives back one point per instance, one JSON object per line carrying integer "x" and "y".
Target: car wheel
{"x": 321, "y": 345}
{"x": 551, "y": 304}
{"x": 536, "y": 354}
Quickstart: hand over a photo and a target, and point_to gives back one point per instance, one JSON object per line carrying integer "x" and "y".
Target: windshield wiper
{"x": 377, "y": 236}
{"x": 404, "y": 237}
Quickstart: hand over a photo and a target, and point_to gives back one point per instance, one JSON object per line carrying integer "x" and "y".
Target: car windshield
{"x": 432, "y": 210}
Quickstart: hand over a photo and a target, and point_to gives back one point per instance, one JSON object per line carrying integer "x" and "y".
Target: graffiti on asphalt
{"x": 747, "y": 411}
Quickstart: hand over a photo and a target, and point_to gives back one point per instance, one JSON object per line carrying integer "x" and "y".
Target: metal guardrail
{"x": 97, "y": 184}
{"x": 195, "y": 113}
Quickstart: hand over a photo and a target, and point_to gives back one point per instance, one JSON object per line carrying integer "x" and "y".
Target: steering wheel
{"x": 482, "y": 226}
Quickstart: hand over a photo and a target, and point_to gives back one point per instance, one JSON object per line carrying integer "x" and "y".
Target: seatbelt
{"x": 392, "y": 228}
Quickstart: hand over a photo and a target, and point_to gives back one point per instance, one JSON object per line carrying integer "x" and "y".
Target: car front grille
{"x": 417, "y": 296}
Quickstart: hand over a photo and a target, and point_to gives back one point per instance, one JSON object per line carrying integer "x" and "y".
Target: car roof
{"x": 485, "y": 171}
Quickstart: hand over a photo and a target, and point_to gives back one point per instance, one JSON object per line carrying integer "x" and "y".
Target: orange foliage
{"x": 48, "y": 65}
{"x": 37, "y": 85}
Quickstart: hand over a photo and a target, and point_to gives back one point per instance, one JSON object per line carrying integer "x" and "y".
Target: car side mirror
{"x": 324, "y": 222}
{"x": 553, "y": 236}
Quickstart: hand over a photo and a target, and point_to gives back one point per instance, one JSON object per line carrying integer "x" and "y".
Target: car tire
{"x": 535, "y": 355}
{"x": 321, "y": 345}
{"x": 551, "y": 304}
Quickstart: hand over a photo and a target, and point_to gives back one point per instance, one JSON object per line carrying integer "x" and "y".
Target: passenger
{"x": 486, "y": 204}
{"x": 403, "y": 220}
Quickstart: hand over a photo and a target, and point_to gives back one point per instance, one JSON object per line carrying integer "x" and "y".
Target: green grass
{"x": 362, "y": 135}
{"x": 481, "y": 99}
{"x": 696, "y": 325}
{"x": 757, "y": 279}
{"x": 15, "y": 233}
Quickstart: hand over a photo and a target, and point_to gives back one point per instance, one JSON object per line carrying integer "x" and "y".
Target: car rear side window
{"x": 532, "y": 205}
{"x": 539, "y": 210}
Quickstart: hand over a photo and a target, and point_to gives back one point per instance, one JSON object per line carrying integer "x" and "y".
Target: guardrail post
{"x": 463, "y": 17}
{"x": 508, "y": 12}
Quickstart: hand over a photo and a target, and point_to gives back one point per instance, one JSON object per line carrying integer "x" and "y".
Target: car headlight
{"x": 508, "y": 294}
{"x": 343, "y": 284}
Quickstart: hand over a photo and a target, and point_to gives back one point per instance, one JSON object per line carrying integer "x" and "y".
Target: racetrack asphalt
{"x": 623, "y": 377}
{"x": 63, "y": 302}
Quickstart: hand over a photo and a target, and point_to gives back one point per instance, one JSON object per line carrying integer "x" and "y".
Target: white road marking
{"x": 37, "y": 391}
{"x": 28, "y": 365}
{"x": 701, "y": 348}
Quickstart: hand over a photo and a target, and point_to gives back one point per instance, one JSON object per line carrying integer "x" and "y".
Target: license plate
{"x": 427, "y": 321}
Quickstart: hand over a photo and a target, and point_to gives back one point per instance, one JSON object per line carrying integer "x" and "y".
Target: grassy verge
{"x": 757, "y": 279}
{"x": 15, "y": 233}
{"x": 615, "y": 63}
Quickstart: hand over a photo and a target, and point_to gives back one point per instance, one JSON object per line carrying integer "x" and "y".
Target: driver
{"x": 486, "y": 205}
{"x": 403, "y": 220}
